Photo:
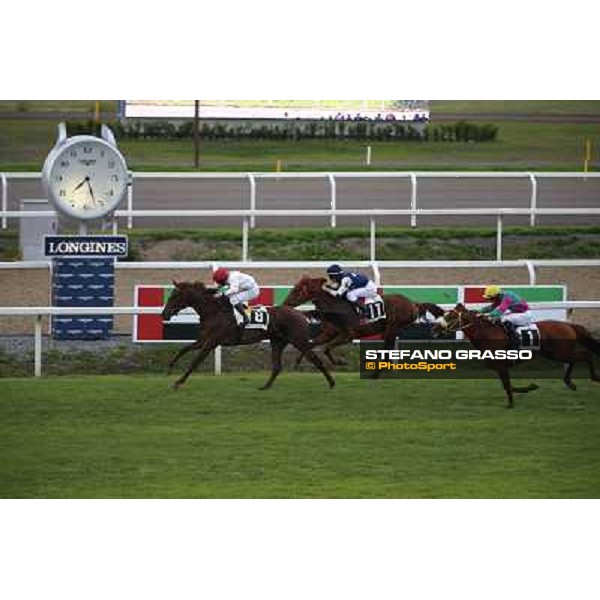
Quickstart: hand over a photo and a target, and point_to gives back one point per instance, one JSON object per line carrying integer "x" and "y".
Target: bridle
{"x": 456, "y": 324}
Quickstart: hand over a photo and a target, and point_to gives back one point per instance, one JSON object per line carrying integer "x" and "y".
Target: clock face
{"x": 87, "y": 178}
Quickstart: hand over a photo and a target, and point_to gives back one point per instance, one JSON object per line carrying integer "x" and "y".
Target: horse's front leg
{"x": 205, "y": 350}
{"x": 193, "y": 346}
{"x": 505, "y": 379}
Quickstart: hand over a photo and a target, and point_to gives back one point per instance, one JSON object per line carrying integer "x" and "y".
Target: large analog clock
{"x": 84, "y": 176}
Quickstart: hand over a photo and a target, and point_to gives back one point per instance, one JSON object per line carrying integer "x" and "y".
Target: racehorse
{"x": 340, "y": 322}
{"x": 559, "y": 341}
{"x": 218, "y": 327}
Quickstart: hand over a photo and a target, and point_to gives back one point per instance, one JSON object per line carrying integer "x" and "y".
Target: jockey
{"x": 511, "y": 308}
{"x": 238, "y": 287}
{"x": 351, "y": 285}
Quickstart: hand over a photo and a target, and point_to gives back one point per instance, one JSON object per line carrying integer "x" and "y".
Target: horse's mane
{"x": 199, "y": 292}
{"x": 308, "y": 279}
{"x": 477, "y": 317}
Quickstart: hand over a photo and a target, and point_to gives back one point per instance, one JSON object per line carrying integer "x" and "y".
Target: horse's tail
{"x": 585, "y": 338}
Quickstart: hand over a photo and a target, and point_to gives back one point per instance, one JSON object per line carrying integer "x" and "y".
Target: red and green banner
{"x": 184, "y": 327}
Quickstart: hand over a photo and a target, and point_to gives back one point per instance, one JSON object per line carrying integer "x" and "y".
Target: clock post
{"x": 85, "y": 178}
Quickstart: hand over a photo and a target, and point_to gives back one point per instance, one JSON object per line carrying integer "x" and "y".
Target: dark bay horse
{"x": 341, "y": 323}
{"x": 219, "y": 328}
{"x": 567, "y": 343}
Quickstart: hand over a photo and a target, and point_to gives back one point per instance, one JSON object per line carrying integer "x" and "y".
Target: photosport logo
{"x": 437, "y": 360}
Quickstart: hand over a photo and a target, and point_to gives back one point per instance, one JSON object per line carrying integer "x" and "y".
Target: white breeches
{"x": 244, "y": 296}
{"x": 519, "y": 319}
{"x": 368, "y": 291}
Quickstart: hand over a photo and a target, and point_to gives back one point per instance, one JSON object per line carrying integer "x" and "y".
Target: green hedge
{"x": 297, "y": 130}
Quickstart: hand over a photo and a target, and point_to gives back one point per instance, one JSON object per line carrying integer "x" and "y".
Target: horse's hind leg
{"x": 590, "y": 363}
{"x": 277, "y": 348}
{"x": 315, "y": 360}
{"x": 306, "y": 349}
{"x": 567, "y": 376}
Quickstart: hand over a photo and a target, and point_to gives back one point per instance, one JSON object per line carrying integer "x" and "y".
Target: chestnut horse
{"x": 219, "y": 328}
{"x": 567, "y": 343}
{"x": 340, "y": 322}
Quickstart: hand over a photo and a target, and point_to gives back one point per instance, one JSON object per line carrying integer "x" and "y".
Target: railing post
{"x": 218, "y": 360}
{"x": 533, "y": 199}
{"x": 413, "y": 200}
{"x": 499, "y": 237}
{"x": 372, "y": 240}
{"x": 4, "y": 200}
{"x": 333, "y": 197}
{"x": 37, "y": 352}
{"x": 245, "y": 239}
{"x": 376, "y": 273}
{"x": 531, "y": 270}
{"x": 130, "y": 204}
{"x": 252, "y": 181}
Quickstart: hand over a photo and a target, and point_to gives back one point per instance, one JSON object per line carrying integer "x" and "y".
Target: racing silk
{"x": 506, "y": 302}
{"x": 239, "y": 282}
{"x": 351, "y": 281}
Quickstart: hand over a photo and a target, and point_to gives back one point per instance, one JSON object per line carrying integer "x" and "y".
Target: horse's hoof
{"x": 175, "y": 386}
{"x": 533, "y": 387}
{"x": 571, "y": 386}
{"x": 264, "y": 387}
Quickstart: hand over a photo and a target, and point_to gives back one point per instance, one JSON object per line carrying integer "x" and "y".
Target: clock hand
{"x": 86, "y": 179}
{"x": 91, "y": 190}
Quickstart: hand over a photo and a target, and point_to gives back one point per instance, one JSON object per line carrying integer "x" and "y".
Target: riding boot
{"x": 513, "y": 336}
{"x": 242, "y": 311}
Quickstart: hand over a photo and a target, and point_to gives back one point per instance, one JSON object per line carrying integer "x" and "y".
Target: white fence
{"x": 43, "y": 311}
{"x": 249, "y": 215}
{"x": 372, "y": 214}
{"x": 373, "y": 265}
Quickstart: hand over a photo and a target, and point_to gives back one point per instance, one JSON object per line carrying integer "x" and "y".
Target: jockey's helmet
{"x": 491, "y": 291}
{"x": 334, "y": 271}
{"x": 221, "y": 275}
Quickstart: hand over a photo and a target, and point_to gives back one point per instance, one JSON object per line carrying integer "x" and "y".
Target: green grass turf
{"x": 219, "y": 437}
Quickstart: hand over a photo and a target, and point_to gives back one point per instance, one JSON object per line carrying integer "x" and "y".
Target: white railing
{"x": 44, "y": 311}
{"x": 413, "y": 176}
{"x": 374, "y": 265}
{"x": 371, "y": 213}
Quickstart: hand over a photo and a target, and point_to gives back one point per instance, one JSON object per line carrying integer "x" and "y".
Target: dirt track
{"x": 31, "y": 287}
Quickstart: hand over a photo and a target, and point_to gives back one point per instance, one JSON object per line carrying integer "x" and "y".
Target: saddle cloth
{"x": 257, "y": 319}
{"x": 529, "y": 337}
{"x": 374, "y": 309}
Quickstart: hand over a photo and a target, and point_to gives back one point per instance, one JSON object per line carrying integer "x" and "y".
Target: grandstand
{"x": 401, "y": 110}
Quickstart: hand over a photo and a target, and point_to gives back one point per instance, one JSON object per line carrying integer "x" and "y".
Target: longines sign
{"x": 85, "y": 245}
